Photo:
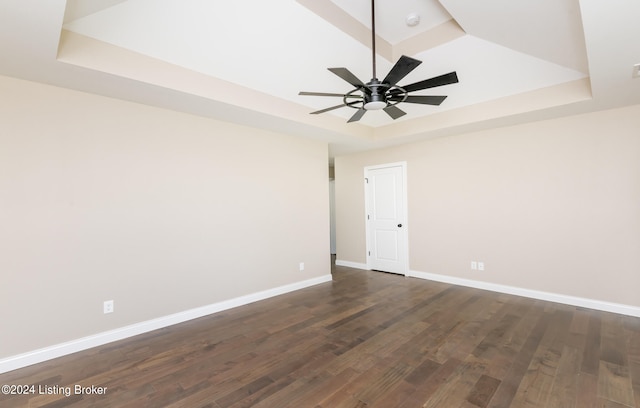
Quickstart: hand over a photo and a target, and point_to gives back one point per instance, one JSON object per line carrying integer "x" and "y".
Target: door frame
{"x": 332, "y": 216}
{"x": 404, "y": 252}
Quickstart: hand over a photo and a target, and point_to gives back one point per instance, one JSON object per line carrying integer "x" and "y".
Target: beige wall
{"x": 160, "y": 211}
{"x": 550, "y": 206}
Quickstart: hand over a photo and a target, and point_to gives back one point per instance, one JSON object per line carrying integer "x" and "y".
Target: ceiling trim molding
{"x": 527, "y": 103}
{"x": 336, "y": 16}
{"x": 426, "y": 40}
{"x": 76, "y": 9}
{"x": 87, "y": 52}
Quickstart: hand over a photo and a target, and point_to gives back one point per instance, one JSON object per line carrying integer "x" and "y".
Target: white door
{"x": 387, "y": 236}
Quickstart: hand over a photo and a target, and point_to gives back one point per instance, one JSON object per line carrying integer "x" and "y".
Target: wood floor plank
{"x": 614, "y": 384}
{"x": 469, "y": 332}
{"x": 457, "y": 387}
{"x": 383, "y": 383}
{"x": 365, "y": 355}
{"x": 591, "y": 354}
{"x": 483, "y": 391}
{"x": 536, "y": 385}
{"x": 605, "y": 403}
{"x": 587, "y": 394}
{"x": 564, "y": 392}
{"x": 507, "y": 390}
{"x": 422, "y": 372}
{"x": 498, "y": 358}
{"x": 431, "y": 384}
{"x": 613, "y": 341}
{"x": 400, "y": 394}
{"x": 633, "y": 356}
{"x": 283, "y": 397}
{"x": 366, "y": 339}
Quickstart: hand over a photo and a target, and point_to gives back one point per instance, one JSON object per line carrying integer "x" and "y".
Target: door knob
{"x": 399, "y": 225}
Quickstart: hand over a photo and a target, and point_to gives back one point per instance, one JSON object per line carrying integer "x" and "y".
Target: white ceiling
{"x": 391, "y": 16}
{"x": 245, "y": 61}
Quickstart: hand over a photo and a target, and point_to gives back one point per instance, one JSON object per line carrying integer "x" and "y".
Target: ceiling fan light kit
{"x": 375, "y": 105}
{"x": 385, "y": 94}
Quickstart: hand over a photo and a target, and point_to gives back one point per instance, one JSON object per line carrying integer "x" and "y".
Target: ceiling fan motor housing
{"x": 375, "y": 95}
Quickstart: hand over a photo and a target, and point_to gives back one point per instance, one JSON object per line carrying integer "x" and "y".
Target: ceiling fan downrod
{"x": 374, "y": 93}
{"x": 373, "y": 38}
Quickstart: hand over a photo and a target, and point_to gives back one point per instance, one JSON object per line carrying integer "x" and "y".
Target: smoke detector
{"x": 412, "y": 19}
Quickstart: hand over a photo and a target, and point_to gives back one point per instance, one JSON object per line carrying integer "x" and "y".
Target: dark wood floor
{"x": 367, "y": 339}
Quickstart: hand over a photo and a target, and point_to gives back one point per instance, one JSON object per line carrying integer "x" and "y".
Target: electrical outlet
{"x": 474, "y": 265}
{"x": 108, "y": 306}
{"x": 301, "y": 266}
{"x": 481, "y": 266}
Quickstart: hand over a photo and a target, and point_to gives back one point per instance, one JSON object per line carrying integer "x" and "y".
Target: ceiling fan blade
{"x": 329, "y": 94}
{"x": 422, "y": 99}
{"x": 356, "y": 116}
{"x": 328, "y": 109}
{"x": 403, "y": 66}
{"x": 334, "y": 107}
{"x": 394, "y": 111}
{"x": 446, "y": 79}
{"x": 347, "y": 76}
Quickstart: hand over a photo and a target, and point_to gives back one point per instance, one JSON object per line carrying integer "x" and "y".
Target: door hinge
{"x": 367, "y": 216}
{"x": 366, "y": 180}
{"x": 369, "y": 253}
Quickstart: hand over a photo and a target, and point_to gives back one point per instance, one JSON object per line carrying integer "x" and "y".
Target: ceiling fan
{"x": 385, "y": 94}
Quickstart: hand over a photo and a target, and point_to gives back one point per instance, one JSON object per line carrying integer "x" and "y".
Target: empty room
{"x": 320, "y": 203}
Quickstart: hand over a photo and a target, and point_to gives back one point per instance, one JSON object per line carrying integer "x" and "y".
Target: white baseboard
{"x": 350, "y": 264}
{"x": 534, "y": 294}
{"x": 84, "y": 343}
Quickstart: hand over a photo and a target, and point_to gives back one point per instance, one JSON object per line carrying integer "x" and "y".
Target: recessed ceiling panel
{"x": 283, "y": 52}
{"x": 547, "y": 29}
{"x": 244, "y": 42}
